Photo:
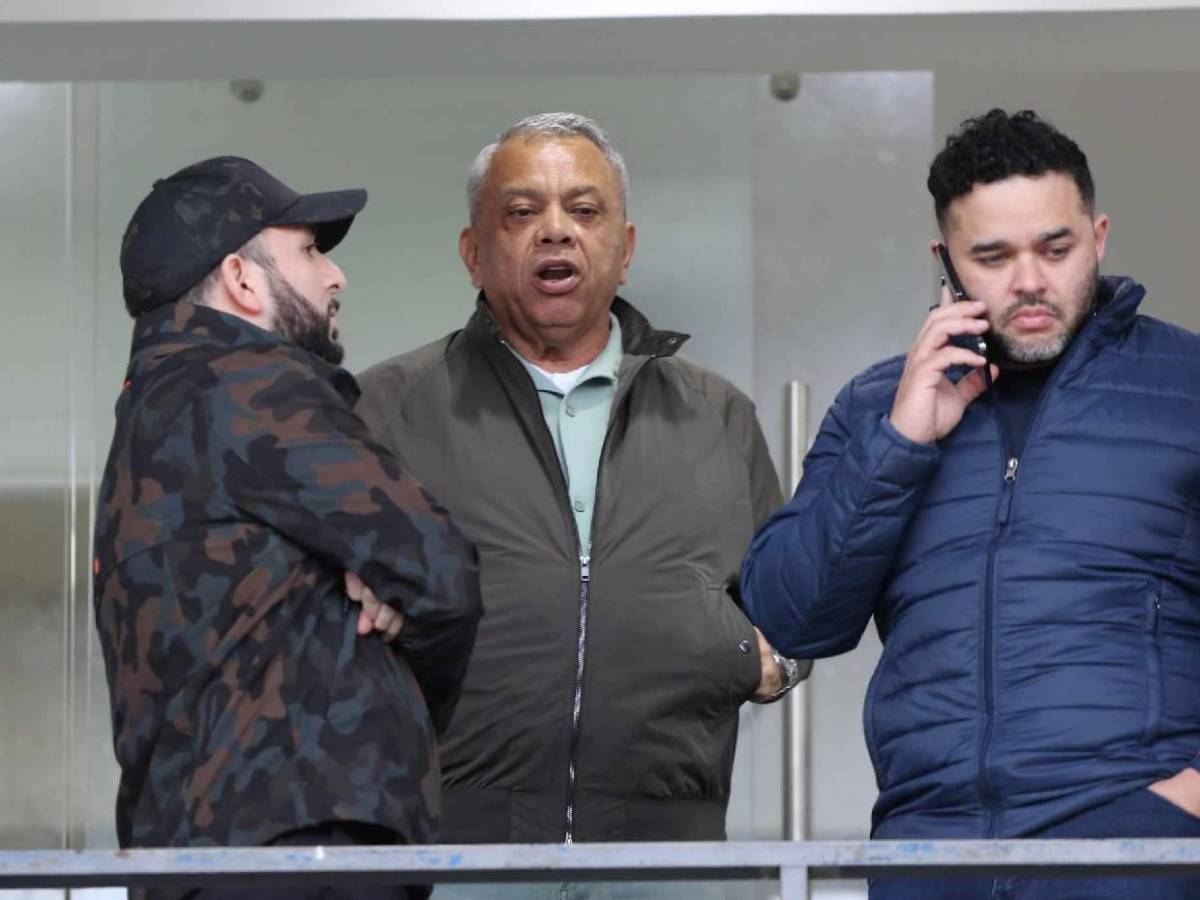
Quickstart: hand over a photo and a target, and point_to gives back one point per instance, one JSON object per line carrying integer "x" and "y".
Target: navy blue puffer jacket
{"x": 1040, "y": 618}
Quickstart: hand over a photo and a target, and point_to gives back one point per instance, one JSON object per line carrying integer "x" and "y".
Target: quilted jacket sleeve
{"x": 816, "y": 569}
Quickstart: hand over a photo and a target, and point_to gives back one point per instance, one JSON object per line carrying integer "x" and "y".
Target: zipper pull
{"x": 1010, "y": 471}
{"x": 585, "y": 567}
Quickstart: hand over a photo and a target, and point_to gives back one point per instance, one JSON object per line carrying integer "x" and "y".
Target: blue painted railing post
{"x": 793, "y": 882}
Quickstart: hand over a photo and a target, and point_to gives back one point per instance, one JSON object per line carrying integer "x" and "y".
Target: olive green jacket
{"x": 601, "y": 701}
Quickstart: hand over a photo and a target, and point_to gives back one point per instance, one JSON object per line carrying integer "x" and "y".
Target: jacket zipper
{"x": 987, "y": 790}
{"x": 1008, "y": 488}
{"x": 585, "y": 577}
{"x": 1153, "y": 669}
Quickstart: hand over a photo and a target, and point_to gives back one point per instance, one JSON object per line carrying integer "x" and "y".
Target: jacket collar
{"x": 1117, "y": 301}
{"x": 1116, "y": 306}
{"x": 174, "y": 327}
{"x": 638, "y": 336}
{"x": 640, "y": 343}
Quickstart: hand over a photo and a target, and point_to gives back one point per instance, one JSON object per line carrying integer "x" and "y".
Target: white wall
{"x": 287, "y": 10}
{"x": 124, "y": 11}
{"x": 144, "y": 39}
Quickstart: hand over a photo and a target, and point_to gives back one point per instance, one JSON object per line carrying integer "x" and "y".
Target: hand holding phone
{"x": 928, "y": 404}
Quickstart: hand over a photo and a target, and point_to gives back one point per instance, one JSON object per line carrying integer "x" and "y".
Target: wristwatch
{"x": 791, "y": 675}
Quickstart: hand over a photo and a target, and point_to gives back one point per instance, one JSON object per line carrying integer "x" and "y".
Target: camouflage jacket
{"x": 239, "y": 488}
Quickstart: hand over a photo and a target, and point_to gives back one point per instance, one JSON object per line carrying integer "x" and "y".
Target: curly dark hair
{"x": 997, "y": 146}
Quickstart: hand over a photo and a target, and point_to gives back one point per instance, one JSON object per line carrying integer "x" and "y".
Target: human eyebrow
{"x": 985, "y": 247}
{"x": 1057, "y": 234}
{"x": 576, "y": 192}
{"x": 519, "y": 191}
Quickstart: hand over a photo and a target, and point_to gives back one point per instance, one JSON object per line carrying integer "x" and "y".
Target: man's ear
{"x": 1100, "y": 229}
{"x": 468, "y": 252}
{"x": 242, "y": 286}
{"x": 627, "y": 253}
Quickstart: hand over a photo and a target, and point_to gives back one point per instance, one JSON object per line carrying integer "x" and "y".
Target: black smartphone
{"x": 974, "y": 342}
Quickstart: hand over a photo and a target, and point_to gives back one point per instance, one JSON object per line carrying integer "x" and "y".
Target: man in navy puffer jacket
{"x": 1030, "y": 552}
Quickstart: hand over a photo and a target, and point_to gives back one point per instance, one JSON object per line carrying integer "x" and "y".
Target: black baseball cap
{"x": 192, "y": 220}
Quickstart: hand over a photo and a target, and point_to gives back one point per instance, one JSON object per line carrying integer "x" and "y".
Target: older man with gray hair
{"x": 611, "y": 488}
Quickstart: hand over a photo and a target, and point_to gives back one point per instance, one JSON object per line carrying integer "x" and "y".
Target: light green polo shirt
{"x": 578, "y": 421}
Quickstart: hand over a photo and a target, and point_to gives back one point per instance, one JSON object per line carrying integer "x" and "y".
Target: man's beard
{"x": 296, "y": 321}
{"x": 1011, "y": 352}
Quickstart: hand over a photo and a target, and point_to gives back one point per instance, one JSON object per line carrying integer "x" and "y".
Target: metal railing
{"x": 794, "y": 864}
{"x": 796, "y": 706}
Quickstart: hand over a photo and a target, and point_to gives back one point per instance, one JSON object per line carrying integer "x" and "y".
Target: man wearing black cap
{"x": 243, "y": 507}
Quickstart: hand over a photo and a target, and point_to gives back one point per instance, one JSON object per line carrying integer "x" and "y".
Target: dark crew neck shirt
{"x": 1017, "y": 394}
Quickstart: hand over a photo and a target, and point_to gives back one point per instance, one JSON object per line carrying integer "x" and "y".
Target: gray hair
{"x": 554, "y": 124}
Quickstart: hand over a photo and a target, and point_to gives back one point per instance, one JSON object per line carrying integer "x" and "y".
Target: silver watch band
{"x": 791, "y": 676}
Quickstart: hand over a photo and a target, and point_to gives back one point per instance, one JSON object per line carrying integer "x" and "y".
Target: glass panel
{"x": 34, "y": 495}
{"x": 832, "y": 268}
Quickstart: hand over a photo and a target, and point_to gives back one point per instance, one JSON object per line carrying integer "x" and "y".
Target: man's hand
{"x": 928, "y": 406}
{"x": 1181, "y": 789}
{"x": 772, "y": 675}
{"x": 374, "y": 616}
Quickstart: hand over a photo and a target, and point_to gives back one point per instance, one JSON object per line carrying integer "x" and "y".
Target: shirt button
{"x": 744, "y": 646}
{"x": 569, "y": 410}
{"x": 579, "y": 505}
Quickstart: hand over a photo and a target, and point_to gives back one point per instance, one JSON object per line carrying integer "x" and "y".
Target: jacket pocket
{"x": 736, "y": 643}
{"x": 1169, "y": 807}
{"x": 1152, "y": 642}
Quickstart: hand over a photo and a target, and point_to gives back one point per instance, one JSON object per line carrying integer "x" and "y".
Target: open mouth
{"x": 557, "y": 276}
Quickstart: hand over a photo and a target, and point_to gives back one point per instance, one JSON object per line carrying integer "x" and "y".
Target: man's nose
{"x": 555, "y": 227}
{"x": 1028, "y": 278}
{"x": 337, "y": 276}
